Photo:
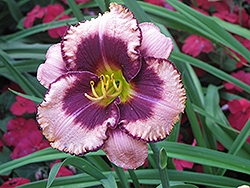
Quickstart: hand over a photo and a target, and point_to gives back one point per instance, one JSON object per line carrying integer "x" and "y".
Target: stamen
{"x": 118, "y": 91}
{"x": 104, "y": 89}
{"x": 113, "y": 81}
{"x": 93, "y": 98}
{"x": 105, "y": 84}
{"x": 92, "y": 83}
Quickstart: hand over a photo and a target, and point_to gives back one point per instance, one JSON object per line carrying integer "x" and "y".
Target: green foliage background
{"x": 21, "y": 54}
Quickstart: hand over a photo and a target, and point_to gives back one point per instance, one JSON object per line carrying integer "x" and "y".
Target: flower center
{"x": 110, "y": 88}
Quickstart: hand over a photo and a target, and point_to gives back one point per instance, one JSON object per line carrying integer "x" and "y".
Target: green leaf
{"x": 175, "y": 56}
{"x": 137, "y": 10}
{"x": 163, "y": 158}
{"x": 233, "y": 28}
{"x": 146, "y": 176}
{"x": 42, "y": 155}
{"x": 184, "y": 186}
{"x": 5, "y": 157}
{"x": 14, "y": 9}
{"x": 80, "y": 164}
{"x": 35, "y": 99}
{"x": 99, "y": 162}
{"x": 109, "y": 182}
{"x": 37, "y": 28}
{"x": 134, "y": 178}
{"x": 20, "y": 79}
{"x": 162, "y": 171}
{"x": 53, "y": 172}
{"x": 206, "y": 156}
{"x": 121, "y": 175}
{"x": 101, "y": 5}
{"x": 76, "y": 10}
{"x": 208, "y": 25}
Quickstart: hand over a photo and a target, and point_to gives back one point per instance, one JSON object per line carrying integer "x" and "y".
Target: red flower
{"x": 240, "y": 113}
{"x": 245, "y": 43}
{"x": 198, "y": 168}
{"x": 63, "y": 170}
{"x": 19, "y": 128}
{"x": 30, "y": 144}
{"x": 241, "y": 75}
{"x": 199, "y": 72}
{"x": 14, "y": 86}
{"x": 204, "y": 4}
{"x": 227, "y": 16}
{"x": 23, "y": 105}
{"x": 180, "y": 164}
{"x": 53, "y": 12}
{"x": 37, "y": 12}
{"x": 14, "y": 182}
{"x": 195, "y": 44}
{"x": 1, "y": 145}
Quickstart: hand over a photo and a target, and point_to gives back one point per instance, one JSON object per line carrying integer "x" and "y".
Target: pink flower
{"x": 240, "y": 113}
{"x": 53, "y": 12}
{"x": 14, "y": 182}
{"x": 30, "y": 144}
{"x": 37, "y": 12}
{"x": 241, "y": 75}
{"x": 23, "y": 105}
{"x": 63, "y": 171}
{"x": 18, "y": 128}
{"x": 195, "y": 44}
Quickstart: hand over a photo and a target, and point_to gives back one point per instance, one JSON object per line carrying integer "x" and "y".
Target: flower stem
{"x": 163, "y": 172}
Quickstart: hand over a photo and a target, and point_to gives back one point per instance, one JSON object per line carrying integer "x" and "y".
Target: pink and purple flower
{"x": 110, "y": 86}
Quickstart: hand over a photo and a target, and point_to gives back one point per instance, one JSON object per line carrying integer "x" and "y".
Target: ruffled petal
{"x": 154, "y": 43}
{"x": 53, "y": 67}
{"x": 157, "y": 99}
{"x": 124, "y": 151}
{"x": 106, "y": 43}
{"x": 71, "y": 121}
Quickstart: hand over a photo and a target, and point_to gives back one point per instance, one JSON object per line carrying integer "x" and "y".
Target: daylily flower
{"x": 112, "y": 87}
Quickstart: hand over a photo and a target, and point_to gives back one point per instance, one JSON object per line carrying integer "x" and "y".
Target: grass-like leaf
{"x": 19, "y": 78}
{"x": 72, "y": 4}
{"x": 210, "y": 26}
